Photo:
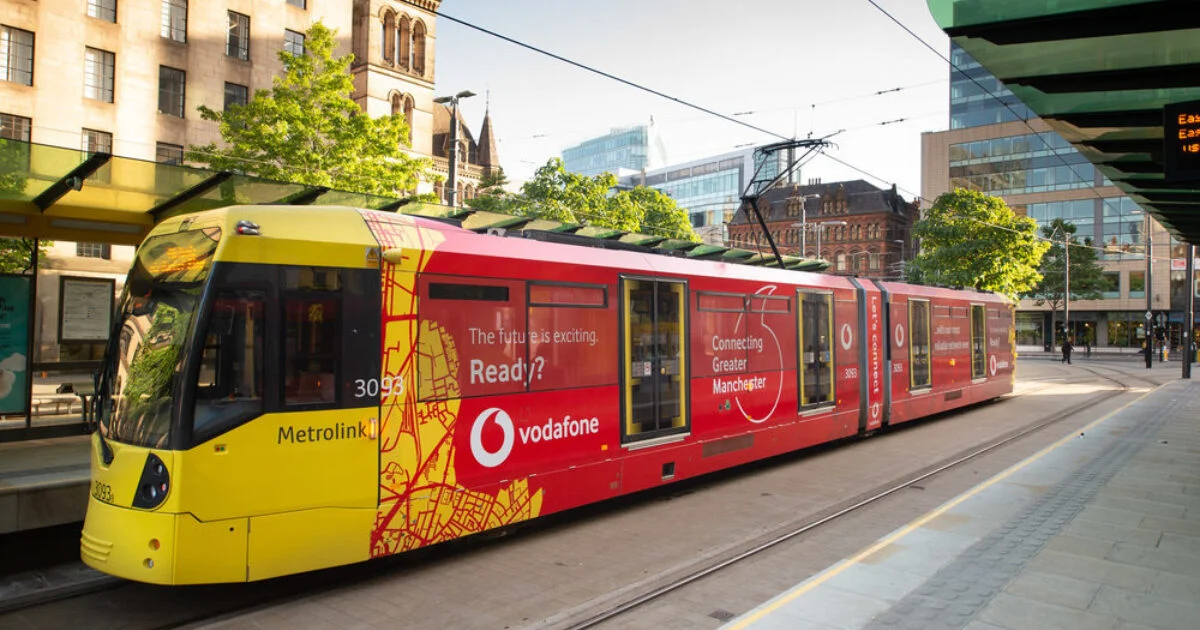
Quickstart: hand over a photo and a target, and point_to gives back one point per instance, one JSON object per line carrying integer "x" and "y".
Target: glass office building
{"x": 997, "y": 145}
{"x": 634, "y": 148}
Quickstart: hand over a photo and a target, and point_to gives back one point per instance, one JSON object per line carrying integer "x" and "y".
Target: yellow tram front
{"x": 230, "y": 445}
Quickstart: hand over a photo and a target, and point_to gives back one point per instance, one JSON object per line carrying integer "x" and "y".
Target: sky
{"x": 791, "y": 67}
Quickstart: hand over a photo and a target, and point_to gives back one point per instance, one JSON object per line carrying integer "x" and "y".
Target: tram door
{"x": 654, "y": 378}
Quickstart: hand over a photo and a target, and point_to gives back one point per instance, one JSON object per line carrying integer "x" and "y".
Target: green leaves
{"x": 1086, "y": 273}
{"x": 558, "y": 195}
{"x": 307, "y": 130}
{"x": 975, "y": 240}
{"x": 16, "y": 254}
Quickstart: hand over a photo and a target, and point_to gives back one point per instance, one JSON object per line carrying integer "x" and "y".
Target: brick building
{"x": 861, "y": 229}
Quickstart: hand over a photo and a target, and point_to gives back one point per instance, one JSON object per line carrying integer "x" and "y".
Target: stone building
{"x": 861, "y": 229}
{"x": 125, "y": 77}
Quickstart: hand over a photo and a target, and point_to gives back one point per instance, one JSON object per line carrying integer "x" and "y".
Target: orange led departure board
{"x": 1181, "y": 141}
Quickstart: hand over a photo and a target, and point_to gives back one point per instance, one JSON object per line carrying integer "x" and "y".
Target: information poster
{"x": 14, "y": 342}
{"x": 86, "y": 307}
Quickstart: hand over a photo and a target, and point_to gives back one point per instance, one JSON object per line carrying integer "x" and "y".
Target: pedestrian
{"x": 1087, "y": 344}
{"x": 1066, "y": 348}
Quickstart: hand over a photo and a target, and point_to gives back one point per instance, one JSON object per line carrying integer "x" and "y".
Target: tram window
{"x": 570, "y": 325}
{"x": 770, "y": 304}
{"x": 978, "y": 342}
{"x": 229, "y": 383}
{"x": 312, "y": 279}
{"x": 472, "y": 338}
{"x": 720, "y": 302}
{"x": 446, "y": 291}
{"x": 310, "y": 349}
{"x": 816, "y": 353}
{"x": 567, "y": 295}
{"x": 719, "y": 334}
{"x": 918, "y": 345}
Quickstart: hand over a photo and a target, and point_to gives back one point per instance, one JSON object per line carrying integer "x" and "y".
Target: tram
{"x": 289, "y": 389}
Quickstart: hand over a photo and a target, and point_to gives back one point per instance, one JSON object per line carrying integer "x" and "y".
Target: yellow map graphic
{"x": 420, "y": 500}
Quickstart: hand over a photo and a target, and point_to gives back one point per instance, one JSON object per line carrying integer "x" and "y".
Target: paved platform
{"x": 1099, "y": 531}
{"x": 43, "y": 482}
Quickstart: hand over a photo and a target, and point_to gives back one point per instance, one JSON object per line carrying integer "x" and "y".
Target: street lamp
{"x": 821, "y": 228}
{"x": 902, "y": 256}
{"x": 1066, "y": 281}
{"x": 1149, "y": 286}
{"x": 451, "y": 181}
{"x": 804, "y": 223}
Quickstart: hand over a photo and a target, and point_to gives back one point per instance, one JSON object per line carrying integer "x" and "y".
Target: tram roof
{"x": 56, "y": 193}
{"x": 1106, "y": 75}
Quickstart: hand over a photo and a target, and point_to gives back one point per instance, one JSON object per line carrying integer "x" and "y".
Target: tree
{"x": 16, "y": 254}
{"x": 492, "y": 196}
{"x": 975, "y": 240}
{"x": 1086, "y": 274}
{"x": 307, "y": 130}
{"x": 558, "y": 195}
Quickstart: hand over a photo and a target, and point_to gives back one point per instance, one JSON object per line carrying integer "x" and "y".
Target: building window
{"x": 389, "y": 37}
{"x": 299, "y": 4}
{"x": 418, "y": 44}
{"x": 236, "y": 95}
{"x": 237, "y": 40}
{"x": 103, "y": 10}
{"x": 98, "y": 72}
{"x": 15, "y": 127}
{"x": 293, "y": 42}
{"x": 16, "y": 55}
{"x": 93, "y": 250}
{"x": 1137, "y": 284}
{"x": 97, "y": 141}
{"x": 168, "y": 180}
{"x": 171, "y": 91}
{"x": 174, "y": 20}
{"x": 168, "y": 153}
{"x": 1110, "y": 285}
{"x": 404, "y": 34}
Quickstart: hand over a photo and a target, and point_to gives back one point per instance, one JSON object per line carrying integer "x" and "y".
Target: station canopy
{"x": 1110, "y": 76}
{"x": 55, "y": 193}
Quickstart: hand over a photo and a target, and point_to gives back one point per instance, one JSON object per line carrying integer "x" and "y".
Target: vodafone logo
{"x": 900, "y": 335}
{"x": 847, "y": 336}
{"x": 486, "y": 458}
{"x": 531, "y": 434}
{"x": 992, "y": 364}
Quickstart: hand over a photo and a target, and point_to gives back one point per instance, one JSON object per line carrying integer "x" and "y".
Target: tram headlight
{"x": 152, "y": 488}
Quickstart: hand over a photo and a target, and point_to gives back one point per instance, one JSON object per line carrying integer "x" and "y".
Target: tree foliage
{"x": 558, "y": 195}
{"x": 1086, "y": 273}
{"x": 975, "y": 240}
{"x": 307, "y": 130}
{"x": 16, "y": 254}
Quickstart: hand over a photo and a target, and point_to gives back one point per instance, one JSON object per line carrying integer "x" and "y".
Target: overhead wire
{"x": 608, "y": 75}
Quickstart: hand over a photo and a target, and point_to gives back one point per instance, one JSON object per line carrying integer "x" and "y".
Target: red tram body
{"x": 740, "y": 371}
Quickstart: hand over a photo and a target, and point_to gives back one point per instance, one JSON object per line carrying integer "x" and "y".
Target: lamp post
{"x": 451, "y": 180}
{"x": 804, "y": 223}
{"x": 1149, "y": 350}
{"x": 902, "y": 256}
{"x": 1066, "y": 282}
{"x": 821, "y": 228}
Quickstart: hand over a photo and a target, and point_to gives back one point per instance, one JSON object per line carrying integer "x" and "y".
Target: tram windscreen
{"x": 140, "y": 380}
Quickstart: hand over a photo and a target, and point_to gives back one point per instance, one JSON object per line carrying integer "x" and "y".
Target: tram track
{"x": 198, "y": 606}
{"x": 708, "y": 567}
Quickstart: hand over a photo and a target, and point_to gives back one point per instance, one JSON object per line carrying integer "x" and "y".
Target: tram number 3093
{"x": 371, "y": 387}
{"x": 102, "y": 492}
